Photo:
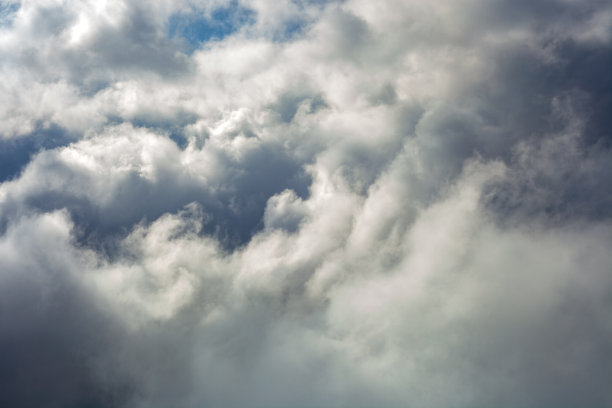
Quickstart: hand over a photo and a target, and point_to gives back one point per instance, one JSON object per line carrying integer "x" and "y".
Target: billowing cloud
{"x": 305, "y": 203}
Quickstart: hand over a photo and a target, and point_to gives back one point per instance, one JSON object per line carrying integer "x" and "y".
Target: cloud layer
{"x": 305, "y": 203}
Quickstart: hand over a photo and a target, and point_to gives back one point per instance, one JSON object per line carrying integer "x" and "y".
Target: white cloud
{"x": 396, "y": 203}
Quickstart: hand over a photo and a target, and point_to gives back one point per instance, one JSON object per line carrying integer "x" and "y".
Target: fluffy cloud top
{"x": 305, "y": 203}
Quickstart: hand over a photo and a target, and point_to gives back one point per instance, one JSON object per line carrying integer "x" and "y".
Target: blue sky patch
{"x": 16, "y": 153}
{"x": 297, "y": 26}
{"x": 196, "y": 28}
{"x": 294, "y": 28}
{"x": 7, "y": 13}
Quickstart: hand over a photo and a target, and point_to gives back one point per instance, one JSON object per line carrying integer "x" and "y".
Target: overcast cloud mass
{"x": 305, "y": 203}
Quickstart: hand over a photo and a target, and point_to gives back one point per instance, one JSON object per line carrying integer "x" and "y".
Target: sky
{"x": 305, "y": 203}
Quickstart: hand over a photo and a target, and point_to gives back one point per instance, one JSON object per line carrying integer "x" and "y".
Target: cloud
{"x": 57, "y": 339}
{"x": 324, "y": 204}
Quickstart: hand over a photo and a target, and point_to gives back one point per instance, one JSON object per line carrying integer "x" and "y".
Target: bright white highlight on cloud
{"x": 311, "y": 204}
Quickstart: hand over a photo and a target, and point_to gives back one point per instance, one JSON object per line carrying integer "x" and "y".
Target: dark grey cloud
{"x": 333, "y": 204}
{"x": 54, "y": 338}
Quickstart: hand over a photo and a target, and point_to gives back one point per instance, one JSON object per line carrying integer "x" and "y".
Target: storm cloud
{"x": 307, "y": 203}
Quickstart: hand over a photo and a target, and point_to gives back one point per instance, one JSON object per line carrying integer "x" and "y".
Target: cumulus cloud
{"x": 305, "y": 203}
